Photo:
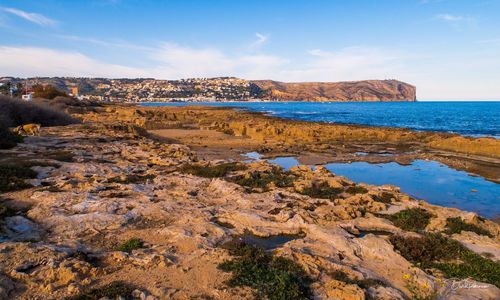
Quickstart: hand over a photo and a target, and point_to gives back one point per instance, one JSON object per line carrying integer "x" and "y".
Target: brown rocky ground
{"x": 99, "y": 185}
{"x": 312, "y": 143}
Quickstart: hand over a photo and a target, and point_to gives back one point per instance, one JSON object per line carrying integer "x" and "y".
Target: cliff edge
{"x": 367, "y": 90}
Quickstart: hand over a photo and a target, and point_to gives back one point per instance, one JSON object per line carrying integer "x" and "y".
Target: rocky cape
{"x": 367, "y": 90}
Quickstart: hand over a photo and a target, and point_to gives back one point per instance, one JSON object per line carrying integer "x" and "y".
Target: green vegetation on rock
{"x": 271, "y": 276}
{"x": 322, "y": 190}
{"x": 356, "y": 189}
{"x": 412, "y": 219}
{"x": 211, "y": 171}
{"x": 384, "y": 197}
{"x": 131, "y": 244}
{"x": 13, "y": 174}
{"x": 111, "y": 291}
{"x": 457, "y": 225}
{"x": 263, "y": 180}
{"x": 435, "y": 251}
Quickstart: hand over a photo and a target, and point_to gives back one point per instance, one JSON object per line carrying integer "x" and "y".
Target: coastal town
{"x": 139, "y": 90}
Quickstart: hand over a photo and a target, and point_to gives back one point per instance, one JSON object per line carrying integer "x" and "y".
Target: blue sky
{"x": 449, "y": 49}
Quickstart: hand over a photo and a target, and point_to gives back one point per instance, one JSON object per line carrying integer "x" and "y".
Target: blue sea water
{"x": 474, "y": 118}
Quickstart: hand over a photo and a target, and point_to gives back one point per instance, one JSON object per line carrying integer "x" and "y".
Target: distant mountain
{"x": 223, "y": 88}
{"x": 367, "y": 90}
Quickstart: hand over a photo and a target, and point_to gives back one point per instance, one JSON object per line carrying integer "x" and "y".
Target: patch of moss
{"x": 211, "y": 171}
{"x": 384, "y": 197}
{"x": 13, "y": 174}
{"x": 362, "y": 283}
{"x": 111, "y": 291}
{"x": 270, "y": 276}
{"x": 322, "y": 190}
{"x": 412, "y": 219}
{"x": 434, "y": 250}
{"x": 356, "y": 189}
{"x": 60, "y": 155}
{"x": 263, "y": 180}
{"x": 131, "y": 244}
{"x": 457, "y": 225}
{"x": 132, "y": 178}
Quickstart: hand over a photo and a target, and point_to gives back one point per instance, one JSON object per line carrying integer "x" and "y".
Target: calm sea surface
{"x": 475, "y": 118}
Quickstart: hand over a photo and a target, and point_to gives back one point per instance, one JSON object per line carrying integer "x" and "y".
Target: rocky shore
{"x": 106, "y": 209}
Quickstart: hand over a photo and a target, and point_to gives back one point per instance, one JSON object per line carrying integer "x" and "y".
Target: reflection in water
{"x": 430, "y": 181}
{"x": 285, "y": 162}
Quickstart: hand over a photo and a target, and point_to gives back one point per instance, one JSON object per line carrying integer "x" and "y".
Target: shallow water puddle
{"x": 271, "y": 242}
{"x": 430, "y": 181}
{"x": 286, "y": 162}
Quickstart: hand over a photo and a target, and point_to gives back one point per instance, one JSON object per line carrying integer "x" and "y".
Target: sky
{"x": 448, "y": 49}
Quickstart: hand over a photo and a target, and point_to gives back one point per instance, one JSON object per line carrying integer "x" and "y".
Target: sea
{"x": 426, "y": 180}
{"x": 472, "y": 118}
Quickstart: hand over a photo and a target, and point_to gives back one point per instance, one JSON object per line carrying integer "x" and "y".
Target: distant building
{"x": 74, "y": 91}
{"x": 27, "y": 97}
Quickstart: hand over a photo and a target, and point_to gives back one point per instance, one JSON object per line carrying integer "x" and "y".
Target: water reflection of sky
{"x": 426, "y": 180}
{"x": 430, "y": 181}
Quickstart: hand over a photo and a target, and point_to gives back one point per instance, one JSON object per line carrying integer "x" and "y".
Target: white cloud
{"x": 30, "y": 61}
{"x": 261, "y": 40}
{"x": 449, "y": 17}
{"x": 32, "y": 17}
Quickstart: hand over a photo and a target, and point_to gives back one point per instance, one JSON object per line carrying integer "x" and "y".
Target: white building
{"x": 27, "y": 97}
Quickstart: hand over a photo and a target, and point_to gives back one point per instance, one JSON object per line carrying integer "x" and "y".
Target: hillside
{"x": 368, "y": 90}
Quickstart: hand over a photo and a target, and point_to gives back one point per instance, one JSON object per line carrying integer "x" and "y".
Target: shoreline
{"x": 271, "y": 114}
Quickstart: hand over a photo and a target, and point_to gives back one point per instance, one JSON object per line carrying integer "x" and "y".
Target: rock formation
{"x": 367, "y": 90}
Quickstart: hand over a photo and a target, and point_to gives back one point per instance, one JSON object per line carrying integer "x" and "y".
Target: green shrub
{"x": 457, "y": 225}
{"x": 13, "y": 175}
{"x": 111, "y": 291}
{"x": 322, "y": 190}
{"x": 211, "y": 171}
{"x": 412, "y": 219}
{"x": 272, "y": 277}
{"x": 132, "y": 178}
{"x": 362, "y": 283}
{"x": 15, "y": 112}
{"x": 434, "y": 250}
{"x": 356, "y": 189}
{"x": 131, "y": 244}
{"x": 263, "y": 180}
{"x": 384, "y": 197}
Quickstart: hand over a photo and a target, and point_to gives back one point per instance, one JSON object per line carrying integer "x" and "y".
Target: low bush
{"x": 13, "y": 174}
{"x": 384, "y": 197}
{"x": 322, "y": 190}
{"x": 356, "y": 189}
{"x": 457, "y": 225}
{"x": 271, "y": 276}
{"x": 131, "y": 244}
{"x": 211, "y": 171}
{"x": 362, "y": 283}
{"x": 263, "y": 180}
{"x": 412, "y": 219}
{"x": 15, "y": 112}
{"x": 434, "y": 250}
{"x": 111, "y": 291}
